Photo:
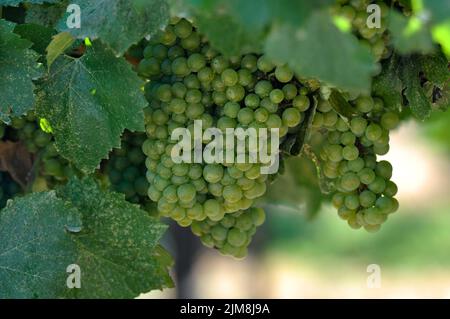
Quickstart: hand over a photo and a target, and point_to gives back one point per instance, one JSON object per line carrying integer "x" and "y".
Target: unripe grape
{"x": 219, "y": 64}
{"x": 366, "y": 175}
{"x": 263, "y": 88}
{"x": 186, "y": 192}
{"x": 213, "y": 173}
{"x": 358, "y": 126}
{"x": 378, "y": 185}
{"x": 236, "y": 237}
{"x": 367, "y": 198}
{"x": 350, "y": 152}
{"x": 276, "y": 96}
{"x": 235, "y": 93}
{"x": 249, "y": 62}
{"x": 258, "y": 216}
{"x": 384, "y": 169}
{"x": 229, "y": 77}
{"x": 180, "y": 66}
{"x": 350, "y": 182}
{"x": 373, "y": 132}
{"x": 301, "y": 102}
{"x": 352, "y": 201}
{"x": 264, "y": 64}
{"x": 183, "y": 29}
{"x": 364, "y": 104}
{"x": 291, "y": 117}
{"x": 283, "y": 74}
{"x": 245, "y": 116}
{"x": 338, "y": 200}
{"x": 389, "y": 120}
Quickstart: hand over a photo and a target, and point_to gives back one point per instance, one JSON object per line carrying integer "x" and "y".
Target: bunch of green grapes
{"x": 364, "y": 193}
{"x": 191, "y": 81}
{"x": 231, "y": 234}
{"x": 9, "y": 188}
{"x": 376, "y": 39}
{"x": 126, "y": 169}
{"x": 53, "y": 168}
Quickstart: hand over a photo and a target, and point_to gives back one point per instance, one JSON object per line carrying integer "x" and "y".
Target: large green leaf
{"x": 228, "y": 36}
{"x": 118, "y": 22}
{"x": 18, "y": 67}
{"x": 236, "y": 27}
{"x": 45, "y": 15}
{"x": 38, "y": 34}
{"x": 418, "y": 102}
{"x": 118, "y": 247}
{"x": 409, "y": 34}
{"x": 15, "y": 3}
{"x": 221, "y": 22}
{"x": 36, "y": 246}
{"x": 89, "y": 102}
{"x": 388, "y": 85}
{"x": 435, "y": 68}
{"x": 320, "y": 50}
{"x": 114, "y": 243}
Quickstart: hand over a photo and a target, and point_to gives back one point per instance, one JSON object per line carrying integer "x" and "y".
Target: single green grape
{"x": 283, "y": 74}
{"x": 186, "y": 192}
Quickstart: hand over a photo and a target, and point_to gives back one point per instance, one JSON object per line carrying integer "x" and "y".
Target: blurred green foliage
{"x": 437, "y": 130}
{"x": 415, "y": 239}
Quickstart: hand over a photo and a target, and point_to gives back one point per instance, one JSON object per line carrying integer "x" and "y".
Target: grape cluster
{"x": 53, "y": 168}
{"x": 126, "y": 169}
{"x": 191, "y": 81}
{"x": 231, "y": 234}
{"x": 364, "y": 193}
{"x": 355, "y": 11}
{"x": 9, "y": 188}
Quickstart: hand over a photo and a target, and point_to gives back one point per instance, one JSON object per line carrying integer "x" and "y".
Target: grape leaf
{"x": 435, "y": 68}
{"x": 88, "y": 102}
{"x": 227, "y": 36}
{"x": 311, "y": 52}
{"x": 45, "y": 15}
{"x": 436, "y": 71}
{"x": 110, "y": 21}
{"x": 35, "y": 246}
{"x": 114, "y": 243}
{"x": 418, "y": 102}
{"x": 388, "y": 84}
{"x": 291, "y": 12}
{"x": 220, "y": 22}
{"x": 18, "y": 67}
{"x": 60, "y": 43}
{"x": 237, "y": 27}
{"x": 38, "y": 34}
{"x": 409, "y": 35}
{"x": 14, "y": 3}
{"x": 117, "y": 244}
